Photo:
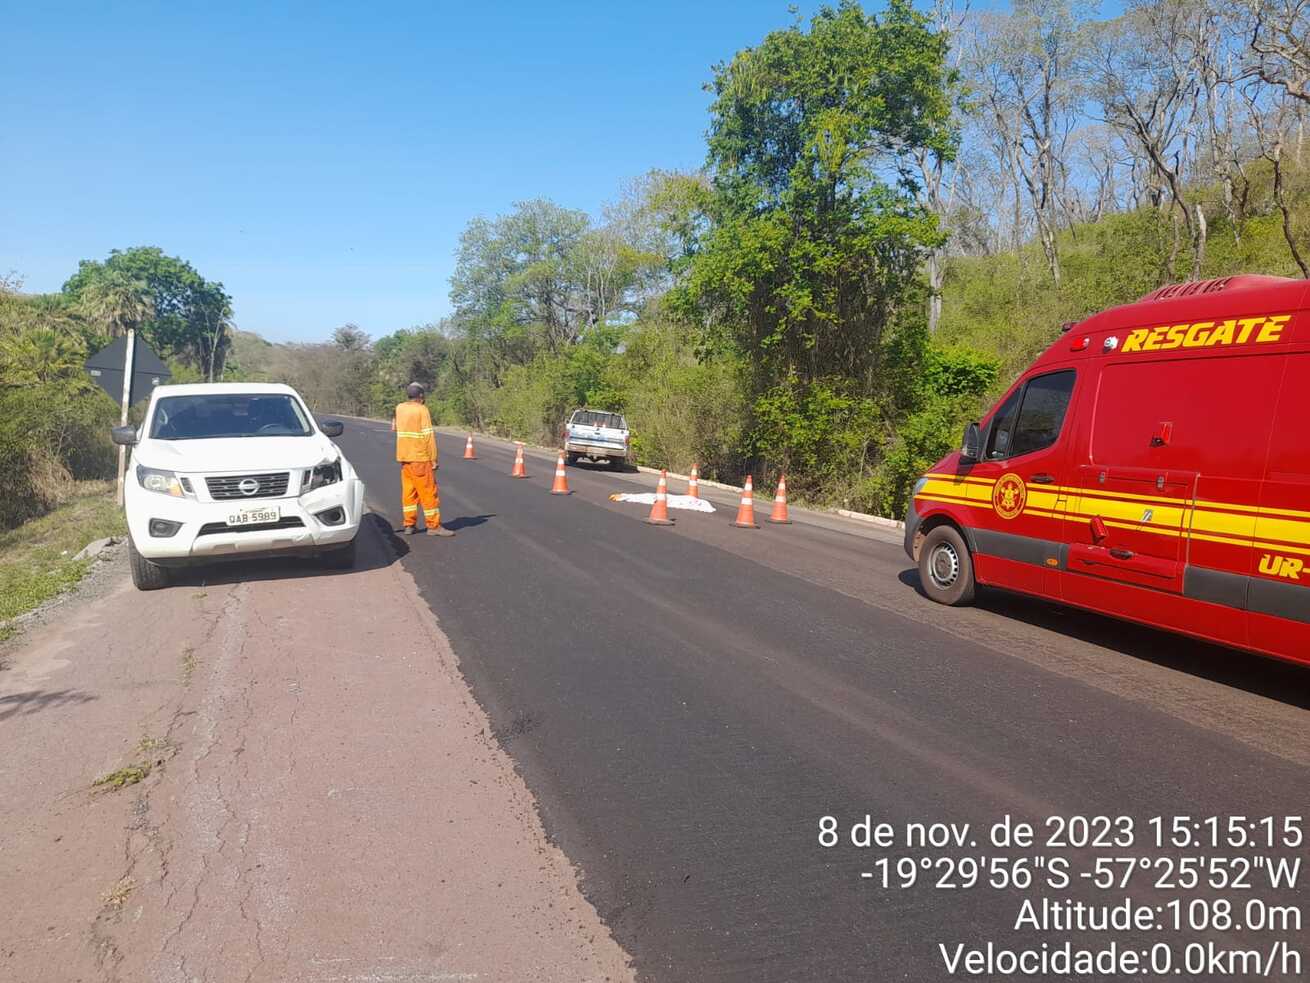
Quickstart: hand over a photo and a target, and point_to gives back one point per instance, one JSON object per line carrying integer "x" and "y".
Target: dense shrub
{"x": 49, "y": 435}
{"x": 682, "y": 409}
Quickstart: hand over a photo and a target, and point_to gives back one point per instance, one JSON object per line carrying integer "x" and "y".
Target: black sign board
{"x": 106, "y": 368}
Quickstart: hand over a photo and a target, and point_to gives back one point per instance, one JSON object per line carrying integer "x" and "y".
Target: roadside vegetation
{"x": 122, "y": 778}
{"x": 861, "y": 268}
{"x": 36, "y": 558}
{"x": 54, "y": 421}
{"x": 57, "y": 463}
{"x": 897, "y": 211}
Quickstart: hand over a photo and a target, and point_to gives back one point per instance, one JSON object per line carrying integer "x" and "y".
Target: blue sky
{"x": 321, "y": 160}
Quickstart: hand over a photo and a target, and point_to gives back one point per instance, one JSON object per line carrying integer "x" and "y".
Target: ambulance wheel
{"x": 146, "y": 575}
{"x": 945, "y": 567}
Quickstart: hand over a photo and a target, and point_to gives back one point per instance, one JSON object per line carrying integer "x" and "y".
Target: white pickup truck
{"x": 598, "y": 434}
{"x": 233, "y": 471}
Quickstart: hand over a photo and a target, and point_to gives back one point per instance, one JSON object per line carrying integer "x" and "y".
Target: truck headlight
{"x": 317, "y": 477}
{"x": 163, "y": 482}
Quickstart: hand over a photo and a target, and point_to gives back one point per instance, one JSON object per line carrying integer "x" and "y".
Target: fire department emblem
{"x": 1009, "y": 496}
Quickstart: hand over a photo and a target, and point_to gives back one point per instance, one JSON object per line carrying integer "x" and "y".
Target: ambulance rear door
{"x": 1280, "y": 588}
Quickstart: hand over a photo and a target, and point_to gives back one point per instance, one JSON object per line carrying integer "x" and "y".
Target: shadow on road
{"x": 377, "y": 546}
{"x": 607, "y": 467}
{"x": 466, "y": 521}
{"x": 35, "y": 701}
{"x": 1272, "y": 678}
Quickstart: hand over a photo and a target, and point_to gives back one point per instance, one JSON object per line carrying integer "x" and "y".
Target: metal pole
{"x": 129, "y": 363}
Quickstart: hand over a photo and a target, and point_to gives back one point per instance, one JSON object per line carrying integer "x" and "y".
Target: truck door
{"x": 1129, "y": 524}
{"x": 1130, "y": 507}
{"x": 1024, "y": 467}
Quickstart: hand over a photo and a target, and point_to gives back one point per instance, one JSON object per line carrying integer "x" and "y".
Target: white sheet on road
{"x": 675, "y": 501}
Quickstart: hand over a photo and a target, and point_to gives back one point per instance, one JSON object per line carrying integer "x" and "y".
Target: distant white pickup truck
{"x": 598, "y": 434}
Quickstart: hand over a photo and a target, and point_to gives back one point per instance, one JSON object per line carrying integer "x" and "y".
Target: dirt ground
{"x": 308, "y": 793}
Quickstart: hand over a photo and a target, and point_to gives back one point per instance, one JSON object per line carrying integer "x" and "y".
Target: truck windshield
{"x": 228, "y": 415}
{"x": 593, "y": 418}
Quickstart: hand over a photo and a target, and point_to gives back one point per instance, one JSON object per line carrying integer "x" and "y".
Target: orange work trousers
{"x": 418, "y": 486}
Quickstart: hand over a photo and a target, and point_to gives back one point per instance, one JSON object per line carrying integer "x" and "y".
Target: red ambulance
{"x": 1153, "y": 465}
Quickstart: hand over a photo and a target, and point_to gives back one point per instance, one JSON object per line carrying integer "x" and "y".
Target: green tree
{"x": 41, "y": 355}
{"x": 54, "y": 424}
{"x": 191, "y": 316}
{"x": 541, "y": 278}
{"x": 354, "y": 365}
{"x": 512, "y": 285}
{"x": 117, "y": 302}
{"x": 424, "y": 355}
{"x": 815, "y": 233}
{"x": 351, "y": 338}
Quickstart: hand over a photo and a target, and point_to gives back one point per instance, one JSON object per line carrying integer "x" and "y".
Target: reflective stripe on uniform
{"x": 415, "y": 434}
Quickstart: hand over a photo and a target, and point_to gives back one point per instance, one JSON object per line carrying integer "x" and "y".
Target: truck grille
{"x": 267, "y": 485}
{"x": 213, "y": 528}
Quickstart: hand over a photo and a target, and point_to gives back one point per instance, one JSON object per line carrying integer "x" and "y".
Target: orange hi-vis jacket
{"x": 415, "y": 440}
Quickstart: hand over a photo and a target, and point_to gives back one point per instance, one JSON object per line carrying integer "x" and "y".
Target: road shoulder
{"x": 323, "y": 797}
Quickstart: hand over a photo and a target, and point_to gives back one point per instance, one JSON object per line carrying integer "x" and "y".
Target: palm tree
{"x": 52, "y": 312}
{"x": 38, "y": 355}
{"x": 117, "y": 302}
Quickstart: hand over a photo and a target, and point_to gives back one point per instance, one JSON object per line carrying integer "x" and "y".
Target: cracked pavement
{"x": 324, "y": 803}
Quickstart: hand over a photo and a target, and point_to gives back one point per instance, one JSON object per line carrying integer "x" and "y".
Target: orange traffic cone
{"x": 520, "y": 470}
{"x": 746, "y": 511}
{"x": 693, "y": 485}
{"x": 659, "y": 512}
{"x": 469, "y": 454}
{"x": 779, "y": 515}
{"x": 561, "y": 486}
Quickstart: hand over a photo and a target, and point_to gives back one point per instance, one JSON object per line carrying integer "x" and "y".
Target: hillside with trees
{"x": 897, "y": 211}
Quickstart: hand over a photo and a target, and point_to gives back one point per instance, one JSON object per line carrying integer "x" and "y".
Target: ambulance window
{"x": 1045, "y": 401}
{"x": 998, "y": 441}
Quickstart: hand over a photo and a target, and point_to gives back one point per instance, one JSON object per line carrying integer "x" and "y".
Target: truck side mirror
{"x": 124, "y": 436}
{"x": 971, "y": 452}
{"x": 332, "y": 428}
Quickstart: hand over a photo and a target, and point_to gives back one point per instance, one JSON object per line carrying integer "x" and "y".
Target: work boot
{"x": 410, "y": 530}
{"x": 439, "y": 531}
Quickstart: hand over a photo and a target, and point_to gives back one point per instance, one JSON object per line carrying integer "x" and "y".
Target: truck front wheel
{"x": 946, "y": 568}
{"x": 146, "y": 575}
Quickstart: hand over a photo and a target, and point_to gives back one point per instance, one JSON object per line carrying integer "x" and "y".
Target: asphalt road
{"x": 687, "y": 702}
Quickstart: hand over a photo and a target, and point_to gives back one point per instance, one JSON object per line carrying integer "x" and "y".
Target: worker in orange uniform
{"x": 416, "y": 450}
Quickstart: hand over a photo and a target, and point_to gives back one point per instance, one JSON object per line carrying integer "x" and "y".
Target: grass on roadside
{"x": 121, "y": 891}
{"x": 36, "y": 558}
{"x": 123, "y": 777}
